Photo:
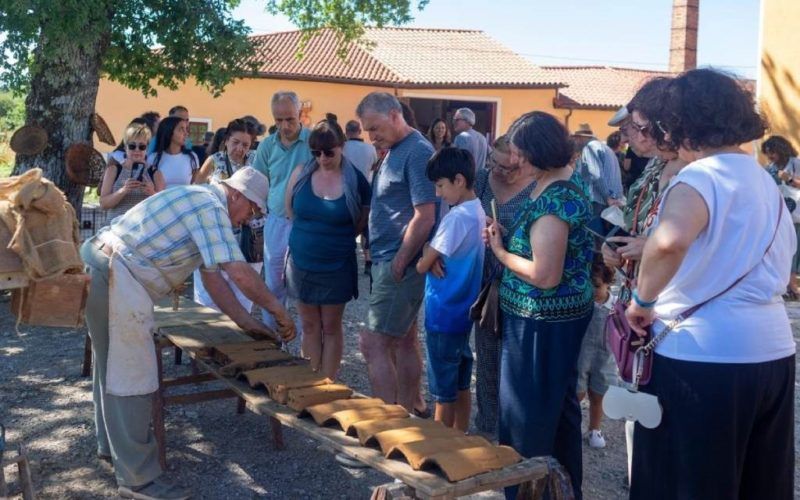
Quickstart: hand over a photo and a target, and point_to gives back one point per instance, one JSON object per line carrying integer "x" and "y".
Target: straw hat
{"x": 85, "y": 165}
{"x": 29, "y": 140}
{"x": 584, "y": 130}
{"x": 103, "y": 132}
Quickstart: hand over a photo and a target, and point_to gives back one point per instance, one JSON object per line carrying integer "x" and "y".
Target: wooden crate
{"x": 58, "y": 301}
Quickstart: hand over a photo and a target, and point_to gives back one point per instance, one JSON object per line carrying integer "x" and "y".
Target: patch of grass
{"x": 91, "y": 196}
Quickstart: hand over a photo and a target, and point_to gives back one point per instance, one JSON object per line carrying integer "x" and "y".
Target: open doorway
{"x": 428, "y": 109}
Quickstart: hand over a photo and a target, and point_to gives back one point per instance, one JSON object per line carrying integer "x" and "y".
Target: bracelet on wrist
{"x": 642, "y": 303}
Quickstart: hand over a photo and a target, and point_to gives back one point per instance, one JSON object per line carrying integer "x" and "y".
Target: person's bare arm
{"x": 289, "y": 194}
{"x": 363, "y": 220}
{"x": 548, "y": 238}
{"x": 159, "y": 181}
{"x": 429, "y": 257}
{"x": 205, "y": 171}
{"x": 417, "y": 232}
{"x": 253, "y": 287}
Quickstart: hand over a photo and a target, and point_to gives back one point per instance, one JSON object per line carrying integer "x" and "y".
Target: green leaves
{"x": 347, "y": 17}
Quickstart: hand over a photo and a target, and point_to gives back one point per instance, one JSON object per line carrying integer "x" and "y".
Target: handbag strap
{"x": 650, "y": 346}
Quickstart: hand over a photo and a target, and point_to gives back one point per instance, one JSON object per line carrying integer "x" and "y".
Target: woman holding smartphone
{"x": 127, "y": 183}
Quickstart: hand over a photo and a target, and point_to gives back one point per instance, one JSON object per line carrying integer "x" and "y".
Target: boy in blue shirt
{"x": 454, "y": 262}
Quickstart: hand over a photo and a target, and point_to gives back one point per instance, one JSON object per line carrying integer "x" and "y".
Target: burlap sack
{"x": 44, "y": 228}
{"x": 469, "y": 462}
{"x": 418, "y": 451}
{"x": 367, "y": 429}
{"x": 346, "y": 418}
{"x": 321, "y": 413}
{"x": 389, "y": 439}
{"x": 299, "y": 399}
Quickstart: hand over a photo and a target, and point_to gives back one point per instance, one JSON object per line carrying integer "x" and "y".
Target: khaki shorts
{"x": 393, "y": 306}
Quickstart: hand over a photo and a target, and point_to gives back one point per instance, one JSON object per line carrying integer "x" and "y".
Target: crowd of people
{"x": 444, "y": 215}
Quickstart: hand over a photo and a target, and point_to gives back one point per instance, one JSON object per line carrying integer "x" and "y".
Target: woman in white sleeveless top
{"x": 725, "y": 377}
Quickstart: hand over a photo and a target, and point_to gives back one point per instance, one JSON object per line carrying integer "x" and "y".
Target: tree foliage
{"x": 347, "y": 17}
{"x": 12, "y": 112}
{"x": 195, "y": 38}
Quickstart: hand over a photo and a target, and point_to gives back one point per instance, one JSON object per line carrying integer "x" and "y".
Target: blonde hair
{"x": 137, "y": 130}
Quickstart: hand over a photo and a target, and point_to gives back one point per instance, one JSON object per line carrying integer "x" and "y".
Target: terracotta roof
{"x": 402, "y": 57}
{"x": 598, "y": 87}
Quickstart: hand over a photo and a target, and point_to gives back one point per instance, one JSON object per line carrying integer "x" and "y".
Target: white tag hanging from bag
{"x": 635, "y": 406}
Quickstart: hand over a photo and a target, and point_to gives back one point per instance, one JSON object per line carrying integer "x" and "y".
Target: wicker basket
{"x": 85, "y": 165}
{"x": 29, "y": 140}
{"x": 101, "y": 128}
{"x": 58, "y": 301}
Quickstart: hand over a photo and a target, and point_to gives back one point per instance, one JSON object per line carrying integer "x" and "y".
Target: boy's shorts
{"x": 449, "y": 365}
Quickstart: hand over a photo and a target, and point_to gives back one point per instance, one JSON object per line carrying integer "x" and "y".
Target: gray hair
{"x": 286, "y": 95}
{"x": 466, "y": 114}
{"x": 378, "y": 102}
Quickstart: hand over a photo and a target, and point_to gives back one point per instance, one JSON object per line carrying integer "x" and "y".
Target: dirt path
{"x": 47, "y": 405}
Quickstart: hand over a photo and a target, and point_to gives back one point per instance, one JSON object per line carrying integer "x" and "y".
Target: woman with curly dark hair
{"x": 714, "y": 269}
{"x": 784, "y": 167}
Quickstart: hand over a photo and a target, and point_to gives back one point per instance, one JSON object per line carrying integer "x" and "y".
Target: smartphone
{"x": 602, "y": 230}
{"x": 137, "y": 171}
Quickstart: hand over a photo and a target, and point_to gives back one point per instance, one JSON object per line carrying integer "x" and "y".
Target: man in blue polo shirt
{"x": 276, "y": 157}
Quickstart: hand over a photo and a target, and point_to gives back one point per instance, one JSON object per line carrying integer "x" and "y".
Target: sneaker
{"x": 162, "y": 488}
{"x": 596, "y": 439}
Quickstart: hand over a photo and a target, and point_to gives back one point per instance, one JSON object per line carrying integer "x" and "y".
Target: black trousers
{"x": 727, "y": 432}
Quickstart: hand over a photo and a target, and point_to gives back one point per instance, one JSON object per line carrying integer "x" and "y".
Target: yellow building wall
{"x": 118, "y": 104}
{"x": 779, "y": 74}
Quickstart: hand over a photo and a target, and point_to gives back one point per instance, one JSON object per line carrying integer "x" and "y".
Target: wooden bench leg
{"x": 241, "y": 406}
{"x": 178, "y": 356}
{"x": 3, "y": 486}
{"x": 277, "y": 433}
{"x": 25, "y": 476}
{"x": 158, "y": 414}
{"x": 86, "y": 370}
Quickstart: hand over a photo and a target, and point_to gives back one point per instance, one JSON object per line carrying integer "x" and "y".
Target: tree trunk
{"x": 64, "y": 83}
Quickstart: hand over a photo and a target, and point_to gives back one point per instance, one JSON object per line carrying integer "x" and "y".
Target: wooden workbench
{"x": 195, "y": 327}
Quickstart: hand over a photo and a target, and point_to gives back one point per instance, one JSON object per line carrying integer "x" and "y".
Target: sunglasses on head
{"x": 134, "y": 146}
{"x": 329, "y": 153}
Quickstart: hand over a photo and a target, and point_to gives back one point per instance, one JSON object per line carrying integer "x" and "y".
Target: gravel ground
{"x": 45, "y": 404}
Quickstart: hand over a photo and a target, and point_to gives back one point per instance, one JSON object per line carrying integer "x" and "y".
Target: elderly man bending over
{"x": 141, "y": 257}
{"x": 401, "y": 217}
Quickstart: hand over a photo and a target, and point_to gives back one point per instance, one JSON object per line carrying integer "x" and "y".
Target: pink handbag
{"x": 633, "y": 353}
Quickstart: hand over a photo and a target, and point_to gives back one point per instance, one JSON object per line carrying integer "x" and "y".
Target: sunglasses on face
{"x": 329, "y": 153}
{"x": 133, "y": 146}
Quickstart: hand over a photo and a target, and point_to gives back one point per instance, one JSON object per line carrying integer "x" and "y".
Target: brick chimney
{"x": 683, "y": 42}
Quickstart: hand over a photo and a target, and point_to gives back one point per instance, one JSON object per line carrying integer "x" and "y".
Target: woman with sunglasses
{"x": 175, "y": 164}
{"x": 509, "y": 185}
{"x": 127, "y": 179}
{"x": 234, "y": 155}
{"x": 328, "y": 200}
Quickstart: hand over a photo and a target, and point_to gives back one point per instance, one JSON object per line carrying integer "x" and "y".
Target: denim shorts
{"x": 449, "y": 365}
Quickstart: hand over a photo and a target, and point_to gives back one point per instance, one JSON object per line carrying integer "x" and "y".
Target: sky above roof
{"x": 630, "y": 33}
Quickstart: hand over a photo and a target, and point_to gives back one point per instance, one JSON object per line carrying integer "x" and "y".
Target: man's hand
{"x": 286, "y": 328}
{"x": 398, "y": 269}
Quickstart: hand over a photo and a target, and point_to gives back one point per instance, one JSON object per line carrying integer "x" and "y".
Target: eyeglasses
{"x": 492, "y": 163}
{"x": 133, "y": 146}
{"x": 661, "y": 127}
{"x": 642, "y": 129}
{"x": 329, "y": 153}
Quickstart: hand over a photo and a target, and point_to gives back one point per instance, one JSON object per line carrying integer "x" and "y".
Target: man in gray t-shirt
{"x": 468, "y": 138}
{"x": 362, "y": 155}
{"x": 401, "y": 218}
